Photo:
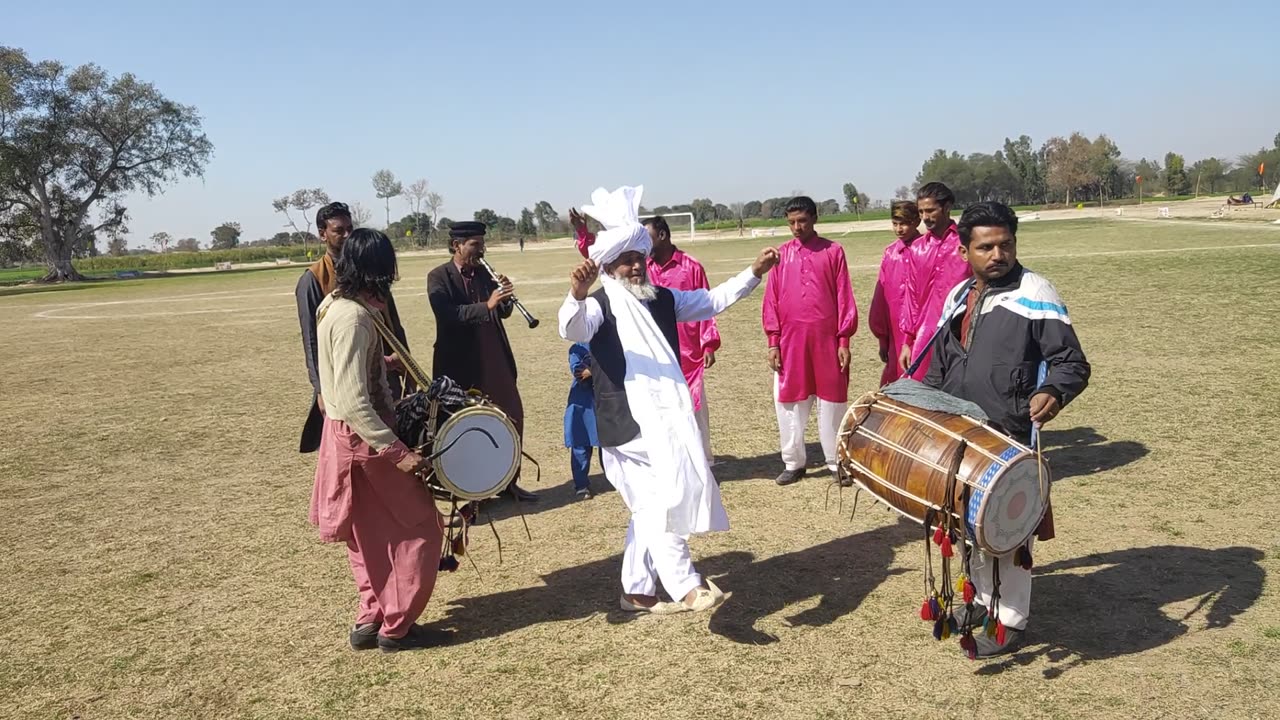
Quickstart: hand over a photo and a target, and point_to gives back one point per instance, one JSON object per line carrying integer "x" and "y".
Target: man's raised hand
{"x": 765, "y": 261}
{"x": 581, "y": 278}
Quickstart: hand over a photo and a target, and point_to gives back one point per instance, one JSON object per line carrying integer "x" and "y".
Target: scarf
{"x": 325, "y": 274}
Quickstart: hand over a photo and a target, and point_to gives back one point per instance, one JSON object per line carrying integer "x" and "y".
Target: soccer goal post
{"x": 676, "y": 221}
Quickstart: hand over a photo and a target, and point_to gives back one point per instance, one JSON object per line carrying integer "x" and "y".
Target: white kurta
{"x": 679, "y": 493}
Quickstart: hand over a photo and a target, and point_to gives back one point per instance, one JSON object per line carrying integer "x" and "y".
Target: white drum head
{"x": 473, "y": 469}
{"x": 1006, "y": 505}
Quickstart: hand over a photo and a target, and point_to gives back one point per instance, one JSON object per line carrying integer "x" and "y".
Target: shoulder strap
{"x": 410, "y": 365}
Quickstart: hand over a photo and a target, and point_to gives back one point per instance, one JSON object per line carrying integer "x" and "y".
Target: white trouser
{"x": 1015, "y": 586}
{"x": 648, "y": 556}
{"x": 704, "y": 426}
{"x": 792, "y": 420}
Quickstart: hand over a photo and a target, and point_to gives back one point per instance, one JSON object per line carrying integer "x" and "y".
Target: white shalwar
{"x": 793, "y": 418}
{"x": 1015, "y": 586}
{"x": 663, "y": 475}
{"x": 703, "y": 417}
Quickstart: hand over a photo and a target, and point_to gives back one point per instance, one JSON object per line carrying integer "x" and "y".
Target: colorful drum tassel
{"x": 1000, "y": 633}
{"x": 448, "y": 563}
{"x": 946, "y": 547}
{"x": 939, "y": 627}
{"x": 935, "y": 608}
{"x": 926, "y": 610}
{"x": 938, "y": 536}
{"x": 970, "y": 592}
{"x": 989, "y": 627}
{"x": 459, "y": 545}
{"x": 969, "y": 645}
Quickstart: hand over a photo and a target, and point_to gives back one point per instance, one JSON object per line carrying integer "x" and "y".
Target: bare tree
{"x": 360, "y": 215}
{"x": 385, "y": 187}
{"x": 902, "y": 193}
{"x": 162, "y": 240}
{"x": 434, "y": 202}
{"x": 302, "y": 201}
{"x": 416, "y": 195}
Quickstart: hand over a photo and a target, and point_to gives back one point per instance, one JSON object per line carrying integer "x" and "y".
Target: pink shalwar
{"x": 894, "y": 308}
{"x": 697, "y": 339}
{"x": 936, "y": 268}
{"x": 388, "y": 521}
{"x": 808, "y": 314}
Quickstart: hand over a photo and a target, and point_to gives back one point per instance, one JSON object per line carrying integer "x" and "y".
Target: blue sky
{"x": 502, "y": 104}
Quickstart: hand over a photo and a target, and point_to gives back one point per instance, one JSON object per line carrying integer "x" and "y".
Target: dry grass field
{"x": 157, "y": 561}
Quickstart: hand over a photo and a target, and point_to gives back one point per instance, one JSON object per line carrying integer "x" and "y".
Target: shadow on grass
{"x": 1083, "y": 451}
{"x": 761, "y": 588}
{"x": 1116, "y": 609}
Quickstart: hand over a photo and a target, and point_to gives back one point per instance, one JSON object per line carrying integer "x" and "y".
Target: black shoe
{"x": 365, "y": 637}
{"x": 521, "y": 494}
{"x": 841, "y": 479}
{"x": 418, "y": 638}
{"x": 583, "y": 493}
{"x": 790, "y": 476}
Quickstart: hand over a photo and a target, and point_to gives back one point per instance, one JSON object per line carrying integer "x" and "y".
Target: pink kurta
{"x": 697, "y": 339}
{"x": 809, "y": 313}
{"x": 895, "y": 308}
{"x": 936, "y": 268}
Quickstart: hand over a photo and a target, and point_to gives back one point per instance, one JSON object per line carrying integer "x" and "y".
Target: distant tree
{"x": 443, "y": 224}
{"x": 527, "y": 226}
{"x": 385, "y": 187}
{"x": 1027, "y": 166}
{"x": 302, "y": 201}
{"x": 753, "y": 209}
{"x": 73, "y": 141}
{"x": 434, "y": 202}
{"x": 546, "y": 217}
{"x": 360, "y": 215}
{"x": 487, "y": 216}
{"x": 1175, "y": 174}
{"x": 851, "y": 198}
{"x": 225, "y": 236}
{"x": 162, "y": 240}
{"x": 188, "y": 245}
{"x": 829, "y": 207}
{"x": 416, "y": 196}
{"x": 902, "y": 193}
{"x": 1209, "y": 173}
{"x": 703, "y": 209}
{"x": 117, "y": 246}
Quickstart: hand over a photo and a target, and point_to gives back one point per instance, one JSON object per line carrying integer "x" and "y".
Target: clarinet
{"x": 533, "y": 321}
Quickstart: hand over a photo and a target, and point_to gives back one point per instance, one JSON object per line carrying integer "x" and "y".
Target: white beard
{"x": 643, "y": 291}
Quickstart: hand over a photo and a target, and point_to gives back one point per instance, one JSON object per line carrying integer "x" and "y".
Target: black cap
{"x": 467, "y": 228}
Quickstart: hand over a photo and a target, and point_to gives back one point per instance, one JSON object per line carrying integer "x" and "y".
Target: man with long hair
{"x": 366, "y": 494}
{"x": 333, "y": 223}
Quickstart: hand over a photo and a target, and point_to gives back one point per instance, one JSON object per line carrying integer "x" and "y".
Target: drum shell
{"x": 896, "y": 469}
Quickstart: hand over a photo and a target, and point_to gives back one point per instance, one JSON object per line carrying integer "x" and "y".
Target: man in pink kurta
{"x": 936, "y": 268}
{"x": 671, "y": 268}
{"x": 809, "y": 316}
{"x": 894, "y": 307}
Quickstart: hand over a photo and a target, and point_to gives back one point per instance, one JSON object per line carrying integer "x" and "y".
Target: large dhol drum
{"x": 911, "y": 458}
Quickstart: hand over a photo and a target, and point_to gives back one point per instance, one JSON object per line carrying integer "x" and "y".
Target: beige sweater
{"x": 353, "y": 376}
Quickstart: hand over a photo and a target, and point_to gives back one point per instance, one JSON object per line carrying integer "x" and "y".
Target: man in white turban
{"x": 651, "y": 448}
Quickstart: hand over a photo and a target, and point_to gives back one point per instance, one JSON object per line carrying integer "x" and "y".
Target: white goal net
{"x": 681, "y": 224}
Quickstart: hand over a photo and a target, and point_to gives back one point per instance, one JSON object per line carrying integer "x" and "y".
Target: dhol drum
{"x": 912, "y": 458}
{"x": 476, "y": 452}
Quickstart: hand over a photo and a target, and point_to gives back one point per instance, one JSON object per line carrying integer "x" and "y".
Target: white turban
{"x": 619, "y": 213}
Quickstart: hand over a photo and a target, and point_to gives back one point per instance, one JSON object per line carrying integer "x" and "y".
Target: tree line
{"x": 75, "y": 141}
{"x": 1075, "y": 169}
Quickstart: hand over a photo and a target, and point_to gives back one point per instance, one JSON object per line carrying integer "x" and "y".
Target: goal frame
{"x": 667, "y": 216}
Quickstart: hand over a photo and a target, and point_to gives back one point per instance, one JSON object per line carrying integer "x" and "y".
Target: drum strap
{"x": 943, "y": 323}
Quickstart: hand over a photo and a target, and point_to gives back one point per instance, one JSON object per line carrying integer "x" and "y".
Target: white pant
{"x": 1015, "y": 586}
{"x": 704, "y": 426}
{"x": 792, "y": 420}
{"x": 648, "y": 556}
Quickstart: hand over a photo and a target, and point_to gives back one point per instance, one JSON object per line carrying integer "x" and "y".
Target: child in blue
{"x": 580, "y": 419}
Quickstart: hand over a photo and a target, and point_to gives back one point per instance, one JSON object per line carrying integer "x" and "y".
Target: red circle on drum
{"x": 1017, "y": 505}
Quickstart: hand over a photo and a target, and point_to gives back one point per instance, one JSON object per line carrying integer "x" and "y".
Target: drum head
{"x": 473, "y": 469}
{"x": 1006, "y": 505}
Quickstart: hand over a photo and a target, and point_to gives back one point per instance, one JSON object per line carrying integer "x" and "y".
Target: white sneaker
{"x": 706, "y": 598}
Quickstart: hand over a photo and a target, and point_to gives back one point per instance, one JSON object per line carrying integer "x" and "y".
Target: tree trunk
{"x": 57, "y": 255}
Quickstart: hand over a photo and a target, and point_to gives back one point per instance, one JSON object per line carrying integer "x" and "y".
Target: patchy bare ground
{"x": 158, "y": 563}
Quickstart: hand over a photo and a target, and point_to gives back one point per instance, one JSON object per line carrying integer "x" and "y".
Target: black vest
{"x": 614, "y": 424}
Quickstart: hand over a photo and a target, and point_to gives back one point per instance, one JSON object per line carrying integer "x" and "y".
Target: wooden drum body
{"x": 905, "y": 456}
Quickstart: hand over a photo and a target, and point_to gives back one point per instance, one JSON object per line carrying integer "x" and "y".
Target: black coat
{"x": 457, "y": 322}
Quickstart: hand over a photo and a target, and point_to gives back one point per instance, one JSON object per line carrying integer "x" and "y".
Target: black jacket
{"x": 1020, "y": 324}
{"x": 458, "y": 318}
{"x": 309, "y": 295}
